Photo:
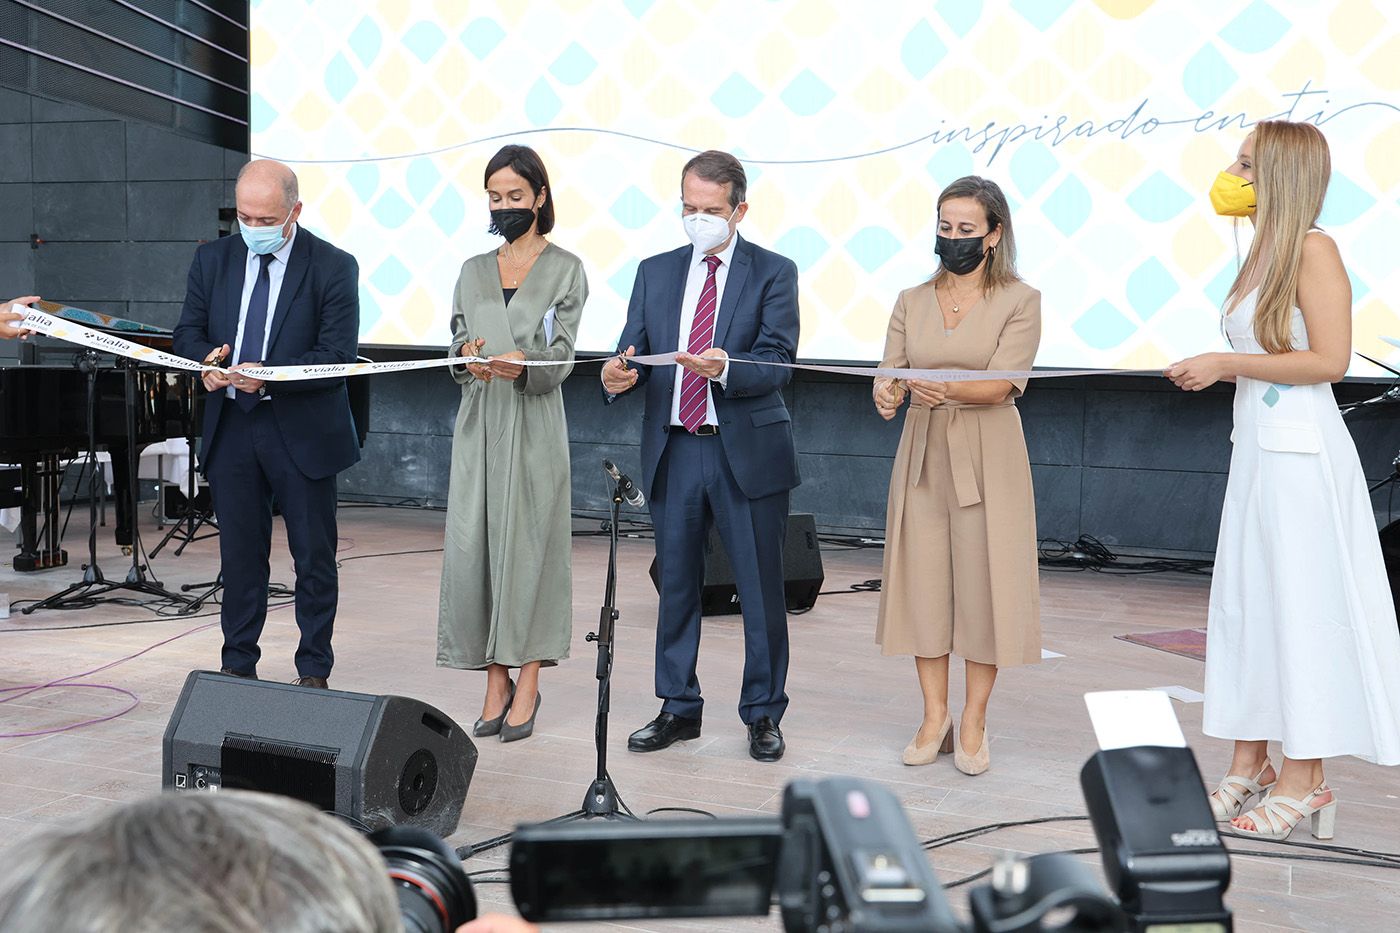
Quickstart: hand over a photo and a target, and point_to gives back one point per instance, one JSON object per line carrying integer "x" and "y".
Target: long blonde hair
{"x": 1292, "y": 166}
{"x": 1000, "y": 267}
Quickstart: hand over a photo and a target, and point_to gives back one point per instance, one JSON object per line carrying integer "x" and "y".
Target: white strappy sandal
{"x": 1234, "y": 792}
{"x": 1277, "y": 816}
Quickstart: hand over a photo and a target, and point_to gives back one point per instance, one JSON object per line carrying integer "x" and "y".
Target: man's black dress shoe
{"x": 232, "y": 673}
{"x": 662, "y": 732}
{"x": 309, "y": 681}
{"x": 766, "y": 740}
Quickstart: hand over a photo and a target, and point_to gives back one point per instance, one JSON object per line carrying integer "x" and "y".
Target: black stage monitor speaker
{"x": 375, "y": 760}
{"x": 802, "y": 570}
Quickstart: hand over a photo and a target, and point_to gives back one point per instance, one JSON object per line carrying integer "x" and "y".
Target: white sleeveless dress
{"x": 1301, "y": 644}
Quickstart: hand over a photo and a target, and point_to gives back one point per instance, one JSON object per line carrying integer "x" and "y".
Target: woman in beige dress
{"x": 960, "y": 560}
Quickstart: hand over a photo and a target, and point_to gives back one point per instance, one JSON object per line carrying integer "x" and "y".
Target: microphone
{"x": 630, "y": 493}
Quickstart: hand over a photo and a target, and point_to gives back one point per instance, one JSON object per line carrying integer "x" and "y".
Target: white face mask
{"x": 707, "y": 231}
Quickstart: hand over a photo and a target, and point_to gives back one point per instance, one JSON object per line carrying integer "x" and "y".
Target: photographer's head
{"x": 222, "y": 863}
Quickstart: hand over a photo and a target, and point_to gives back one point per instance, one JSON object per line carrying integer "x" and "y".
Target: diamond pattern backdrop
{"x": 1104, "y": 121}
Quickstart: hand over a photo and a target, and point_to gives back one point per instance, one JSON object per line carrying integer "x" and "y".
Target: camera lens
{"x": 435, "y": 895}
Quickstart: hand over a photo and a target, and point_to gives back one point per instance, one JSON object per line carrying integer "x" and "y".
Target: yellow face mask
{"x": 1232, "y": 196}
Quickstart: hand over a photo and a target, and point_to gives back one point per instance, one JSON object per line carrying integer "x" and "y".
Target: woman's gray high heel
{"x": 511, "y": 733}
{"x": 486, "y": 727}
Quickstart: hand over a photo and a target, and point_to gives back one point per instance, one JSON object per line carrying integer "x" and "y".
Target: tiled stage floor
{"x": 852, "y": 712}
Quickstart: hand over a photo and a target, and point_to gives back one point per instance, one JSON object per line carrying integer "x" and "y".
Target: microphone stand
{"x": 601, "y": 799}
{"x": 77, "y": 595}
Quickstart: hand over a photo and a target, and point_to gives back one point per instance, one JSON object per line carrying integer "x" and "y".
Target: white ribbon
{"x": 72, "y": 332}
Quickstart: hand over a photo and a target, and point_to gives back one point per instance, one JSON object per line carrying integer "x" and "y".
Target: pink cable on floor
{"x": 25, "y": 691}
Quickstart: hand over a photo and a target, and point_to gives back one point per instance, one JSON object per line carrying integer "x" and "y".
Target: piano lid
{"x": 108, "y": 322}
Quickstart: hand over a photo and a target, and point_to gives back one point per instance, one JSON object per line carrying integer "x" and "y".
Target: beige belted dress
{"x": 960, "y": 570}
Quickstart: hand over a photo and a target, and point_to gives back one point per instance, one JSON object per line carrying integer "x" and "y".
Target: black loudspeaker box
{"x": 377, "y": 761}
{"x": 802, "y": 570}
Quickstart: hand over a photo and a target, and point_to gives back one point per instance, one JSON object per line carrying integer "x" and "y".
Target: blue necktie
{"x": 254, "y": 328}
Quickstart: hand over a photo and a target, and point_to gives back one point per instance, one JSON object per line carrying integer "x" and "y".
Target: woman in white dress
{"x": 1301, "y": 644}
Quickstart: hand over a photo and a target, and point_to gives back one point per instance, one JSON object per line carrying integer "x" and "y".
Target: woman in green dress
{"x": 506, "y": 598}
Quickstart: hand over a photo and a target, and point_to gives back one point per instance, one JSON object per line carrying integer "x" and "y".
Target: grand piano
{"x": 43, "y": 422}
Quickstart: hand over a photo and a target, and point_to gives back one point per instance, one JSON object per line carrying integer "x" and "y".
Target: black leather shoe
{"x": 232, "y": 673}
{"x": 662, "y": 732}
{"x": 766, "y": 740}
{"x": 307, "y": 680}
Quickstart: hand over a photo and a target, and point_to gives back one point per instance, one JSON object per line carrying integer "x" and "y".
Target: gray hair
{"x": 291, "y": 191}
{"x": 229, "y": 862}
{"x": 722, "y": 169}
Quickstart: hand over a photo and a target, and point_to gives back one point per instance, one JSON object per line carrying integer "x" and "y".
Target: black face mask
{"x": 960, "y": 256}
{"x": 511, "y": 223}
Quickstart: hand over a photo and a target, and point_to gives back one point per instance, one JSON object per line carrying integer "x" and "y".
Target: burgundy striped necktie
{"x": 694, "y": 391}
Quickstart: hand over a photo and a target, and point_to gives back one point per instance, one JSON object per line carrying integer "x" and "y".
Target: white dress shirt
{"x": 275, "y": 270}
{"x": 694, "y": 284}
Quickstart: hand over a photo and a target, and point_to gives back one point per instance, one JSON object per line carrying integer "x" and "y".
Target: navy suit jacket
{"x": 317, "y": 320}
{"x": 757, "y": 320}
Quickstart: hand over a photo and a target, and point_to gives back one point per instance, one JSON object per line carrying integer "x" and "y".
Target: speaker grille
{"x": 306, "y": 772}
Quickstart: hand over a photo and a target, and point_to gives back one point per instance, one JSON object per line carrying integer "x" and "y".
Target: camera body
{"x": 851, "y": 862}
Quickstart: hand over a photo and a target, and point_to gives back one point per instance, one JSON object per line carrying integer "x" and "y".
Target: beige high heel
{"x": 978, "y": 761}
{"x": 915, "y": 754}
{"x": 1278, "y": 816}
{"x": 1234, "y": 792}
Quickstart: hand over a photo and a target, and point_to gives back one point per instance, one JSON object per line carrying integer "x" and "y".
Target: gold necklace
{"x": 955, "y": 301}
{"x": 509, "y": 256}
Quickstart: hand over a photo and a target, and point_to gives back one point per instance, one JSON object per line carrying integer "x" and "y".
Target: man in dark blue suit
{"x": 716, "y": 445}
{"x": 279, "y": 296}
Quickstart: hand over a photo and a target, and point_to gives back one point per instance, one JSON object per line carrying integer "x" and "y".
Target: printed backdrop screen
{"x": 1105, "y": 122}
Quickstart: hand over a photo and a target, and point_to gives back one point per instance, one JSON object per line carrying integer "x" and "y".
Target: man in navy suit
{"x": 277, "y": 296}
{"x": 716, "y": 444}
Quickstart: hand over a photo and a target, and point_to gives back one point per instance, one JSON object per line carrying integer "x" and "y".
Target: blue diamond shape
{"x": 542, "y": 105}
{"x": 391, "y": 210}
{"x": 574, "y": 65}
{"x": 921, "y": 49}
{"x": 1068, "y": 206}
{"x": 962, "y": 15}
{"x": 1345, "y": 202}
{"x": 1158, "y": 199}
{"x": 482, "y": 36}
{"x": 424, "y": 39}
{"x": 1103, "y": 327}
{"x": 1219, "y": 287}
{"x": 369, "y": 309}
{"x": 449, "y": 210}
{"x": 366, "y": 40}
{"x": 872, "y": 247}
{"x": 391, "y": 277}
{"x": 1149, "y": 287}
{"x": 1207, "y": 76}
{"x": 736, "y": 97}
{"x": 633, "y": 209}
{"x": 623, "y": 279}
{"x": 340, "y": 78}
{"x": 1032, "y": 166}
{"x": 807, "y": 94}
{"x": 1257, "y": 29}
{"x": 260, "y": 114}
{"x": 364, "y": 180}
{"x": 1041, "y": 13}
{"x": 951, "y": 162}
{"x": 423, "y": 177}
{"x": 802, "y": 245}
